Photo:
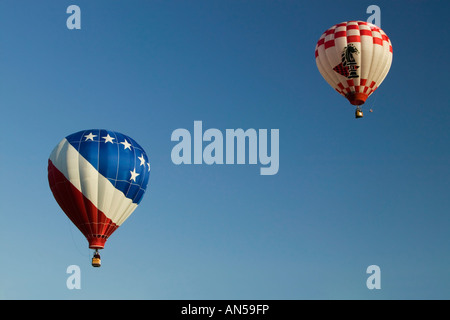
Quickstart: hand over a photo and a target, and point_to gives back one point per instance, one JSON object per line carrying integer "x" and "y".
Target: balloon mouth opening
{"x": 356, "y": 98}
{"x": 97, "y": 241}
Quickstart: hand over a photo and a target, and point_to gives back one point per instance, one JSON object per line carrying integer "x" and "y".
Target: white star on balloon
{"x": 108, "y": 138}
{"x": 126, "y": 144}
{"x": 134, "y": 174}
{"x": 141, "y": 158}
{"x": 90, "y": 136}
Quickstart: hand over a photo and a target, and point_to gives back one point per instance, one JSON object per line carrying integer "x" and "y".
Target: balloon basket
{"x": 96, "y": 261}
{"x": 358, "y": 113}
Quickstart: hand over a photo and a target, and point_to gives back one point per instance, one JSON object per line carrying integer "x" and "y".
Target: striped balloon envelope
{"x": 98, "y": 177}
{"x": 354, "y": 57}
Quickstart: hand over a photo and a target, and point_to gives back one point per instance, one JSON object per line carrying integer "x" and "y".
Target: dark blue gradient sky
{"x": 348, "y": 194}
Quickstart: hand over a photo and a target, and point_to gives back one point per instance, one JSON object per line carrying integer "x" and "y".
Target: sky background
{"x": 349, "y": 193}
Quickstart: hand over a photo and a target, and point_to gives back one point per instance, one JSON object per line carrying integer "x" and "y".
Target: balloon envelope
{"x": 98, "y": 178}
{"x": 354, "y": 57}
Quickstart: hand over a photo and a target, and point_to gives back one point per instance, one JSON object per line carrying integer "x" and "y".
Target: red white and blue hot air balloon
{"x": 98, "y": 177}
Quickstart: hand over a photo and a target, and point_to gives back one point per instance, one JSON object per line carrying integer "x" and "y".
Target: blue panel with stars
{"x": 117, "y": 157}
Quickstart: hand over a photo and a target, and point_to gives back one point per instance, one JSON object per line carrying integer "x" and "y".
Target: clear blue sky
{"x": 349, "y": 193}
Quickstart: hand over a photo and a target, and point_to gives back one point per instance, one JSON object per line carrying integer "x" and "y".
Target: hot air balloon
{"x": 98, "y": 177}
{"x": 354, "y": 57}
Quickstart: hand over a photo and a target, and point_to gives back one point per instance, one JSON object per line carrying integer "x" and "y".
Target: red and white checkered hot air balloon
{"x": 354, "y": 57}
